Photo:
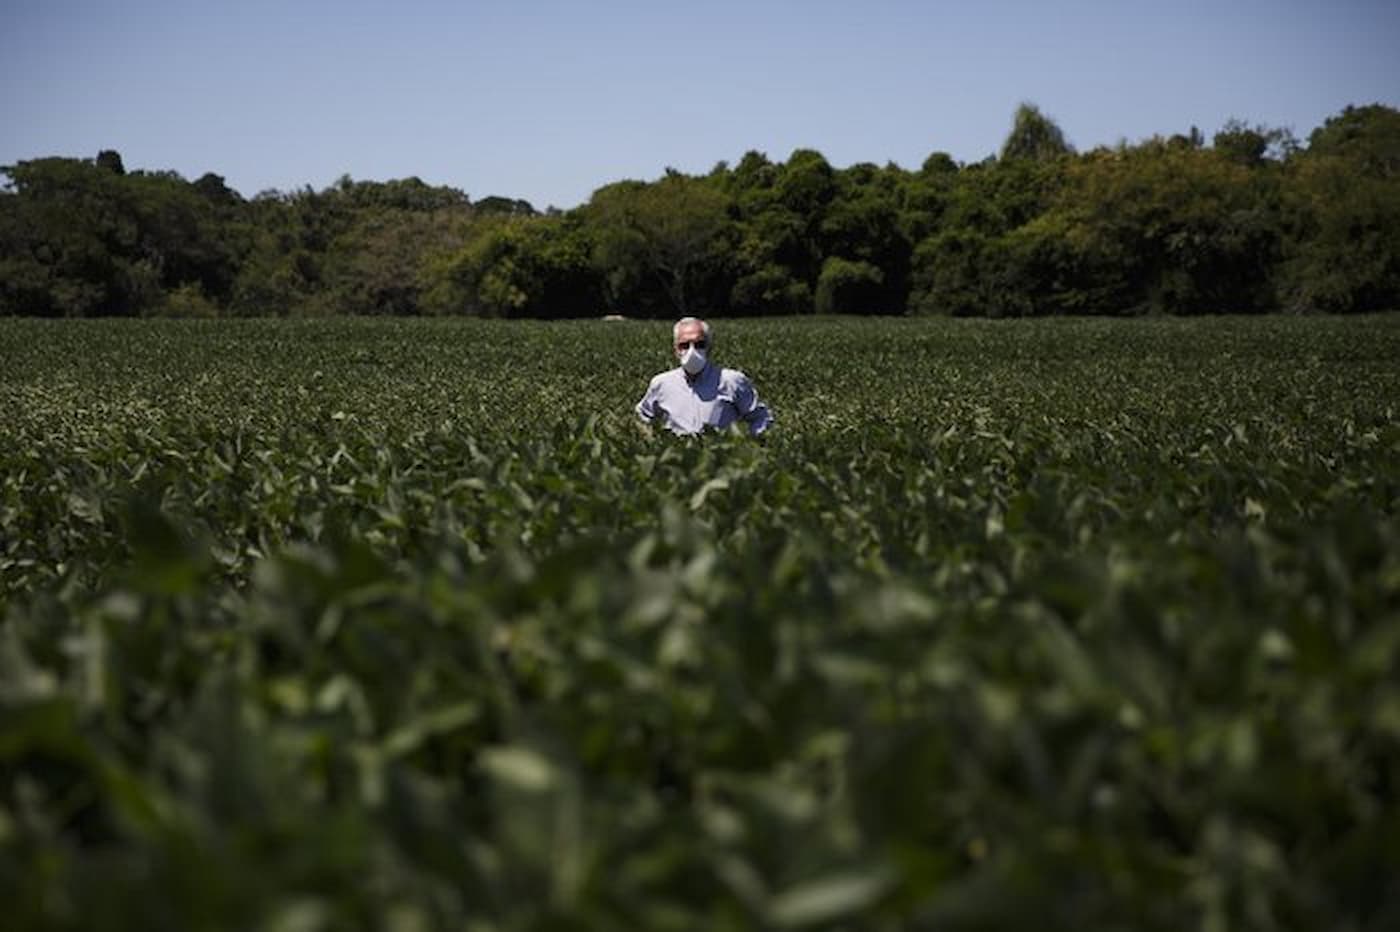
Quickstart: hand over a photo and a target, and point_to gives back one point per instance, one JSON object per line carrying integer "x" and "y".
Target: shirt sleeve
{"x": 646, "y": 408}
{"x": 752, "y": 411}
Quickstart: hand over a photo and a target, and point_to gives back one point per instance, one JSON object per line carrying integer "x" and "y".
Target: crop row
{"x": 372, "y": 624}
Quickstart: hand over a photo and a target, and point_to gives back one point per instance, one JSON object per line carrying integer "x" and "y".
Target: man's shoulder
{"x": 730, "y": 377}
{"x": 666, "y": 377}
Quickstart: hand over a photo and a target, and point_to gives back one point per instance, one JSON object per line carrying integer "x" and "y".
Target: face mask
{"x": 693, "y": 360}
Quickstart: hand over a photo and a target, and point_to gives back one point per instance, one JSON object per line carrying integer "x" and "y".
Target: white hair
{"x": 704, "y": 328}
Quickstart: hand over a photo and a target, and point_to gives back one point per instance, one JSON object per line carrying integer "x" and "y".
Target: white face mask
{"x": 693, "y": 360}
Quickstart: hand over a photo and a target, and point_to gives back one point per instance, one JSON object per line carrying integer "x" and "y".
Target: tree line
{"x": 1255, "y": 221}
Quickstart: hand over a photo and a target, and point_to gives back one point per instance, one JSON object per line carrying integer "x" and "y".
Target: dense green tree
{"x": 1251, "y": 146}
{"x": 966, "y": 264}
{"x": 182, "y": 233}
{"x": 1367, "y": 137}
{"x": 60, "y": 234}
{"x": 1342, "y": 201}
{"x": 862, "y": 225}
{"x": 358, "y": 247}
{"x": 755, "y": 172}
{"x": 804, "y": 188}
{"x": 1161, "y": 228}
{"x": 766, "y": 287}
{"x": 1254, "y": 222}
{"x": 925, "y": 195}
{"x": 111, "y": 160}
{"x": 850, "y": 287}
{"x": 666, "y": 235}
{"x": 81, "y": 239}
{"x": 806, "y": 183}
{"x": 382, "y": 264}
{"x": 517, "y": 267}
{"x": 281, "y": 272}
{"x": 947, "y": 275}
{"x": 996, "y": 197}
{"x": 938, "y": 163}
{"x": 771, "y": 265}
{"x": 505, "y": 205}
{"x": 401, "y": 194}
{"x": 214, "y": 189}
{"x": 1034, "y": 136}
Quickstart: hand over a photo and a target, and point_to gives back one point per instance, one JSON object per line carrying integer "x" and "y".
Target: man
{"x": 698, "y": 394}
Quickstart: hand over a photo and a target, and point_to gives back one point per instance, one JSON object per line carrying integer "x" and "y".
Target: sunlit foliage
{"x": 410, "y": 625}
{"x": 1256, "y": 222}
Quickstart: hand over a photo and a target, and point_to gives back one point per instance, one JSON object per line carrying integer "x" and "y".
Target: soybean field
{"x": 411, "y": 625}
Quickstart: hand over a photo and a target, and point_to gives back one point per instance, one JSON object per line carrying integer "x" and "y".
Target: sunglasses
{"x": 687, "y": 344}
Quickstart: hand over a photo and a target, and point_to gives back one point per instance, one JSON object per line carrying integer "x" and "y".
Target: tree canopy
{"x": 1034, "y": 136}
{"x": 1256, "y": 221}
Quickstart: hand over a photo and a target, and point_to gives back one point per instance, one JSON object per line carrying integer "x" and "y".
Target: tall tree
{"x": 861, "y": 225}
{"x": 1163, "y": 228}
{"x": 517, "y": 267}
{"x": 1342, "y": 201}
{"x": 1252, "y": 146}
{"x": 111, "y": 160}
{"x": 1034, "y": 136}
{"x": 1369, "y": 136}
{"x": 666, "y": 232}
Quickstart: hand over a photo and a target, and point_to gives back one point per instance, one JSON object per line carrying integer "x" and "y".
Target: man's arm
{"x": 752, "y": 411}
{"x": 646, "y": 408}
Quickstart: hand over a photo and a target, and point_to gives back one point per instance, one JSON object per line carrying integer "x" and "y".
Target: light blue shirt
{"x": 717, "y": 398}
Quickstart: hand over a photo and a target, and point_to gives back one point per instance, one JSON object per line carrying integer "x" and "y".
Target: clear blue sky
{"x": 549, "y": 100}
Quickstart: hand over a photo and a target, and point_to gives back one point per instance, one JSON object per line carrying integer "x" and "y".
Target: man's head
{"x": 693, "y": 340}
